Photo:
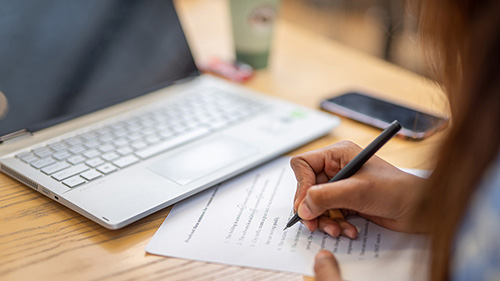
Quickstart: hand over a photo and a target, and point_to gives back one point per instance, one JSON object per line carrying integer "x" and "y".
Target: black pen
{"x": 355, "y": 164}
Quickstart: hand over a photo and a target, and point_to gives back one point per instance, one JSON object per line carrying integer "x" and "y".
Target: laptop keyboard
{"x": 106, "y": 149}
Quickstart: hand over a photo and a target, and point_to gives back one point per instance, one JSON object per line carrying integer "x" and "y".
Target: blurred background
{"x": 383, "y": 28}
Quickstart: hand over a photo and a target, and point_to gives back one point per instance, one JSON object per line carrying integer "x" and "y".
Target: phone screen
{"x": 387, "y": 112}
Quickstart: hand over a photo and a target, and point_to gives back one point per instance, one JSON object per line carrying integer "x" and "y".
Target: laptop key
{"x": 179, "y": 128}
{"x": 124, "y": 150}
{"x": 117, "y": 126}
{"x": 218, "y": 123}
{"x": 106, "y": 147}
{"x": 92, "y": 153}
{"x": 88, "y": 136}
{"x": 121, "y": 132}
{"x": 107, "y": 168}
{"x": 106, "y": 138}
{"x": 94, "y": 162}
{"x": 110, "y": 156}
{"x": 55, "y": 167}
{"x": 38, "y": 164}
{"x": 166, "y": 133}
{"x": 61, "y": 155}
{"x": 74, "y": 181}
{"x": 77, "y": 149}
{"x": 170, "y": 143}
{"x": 69, "y": 172}
{"x": 73, "y": 141}
{"x": 91, "y": 175}
{"x": 58, "y": 146}
{"x": 30, "y": 158}
{"x": 153, "y": 138}
{"x": 148, "y": 130}
{"x": 76, "y": 159}
{"x": 104, "y": 130}
{"x": 139, "y": 145}
{"x": 132, "y": 127}
{"x": 126, "y": 161}
{"x": 135, "y": 136}
{"x": 120, "y": 142}
{"x": 42, "y": 152}
{"x": 23, "y": 154}
{"x": 92, "y": 143}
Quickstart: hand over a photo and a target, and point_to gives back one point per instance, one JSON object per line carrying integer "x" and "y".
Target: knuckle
{"x": 294, "y": 161}
{"x": 345, "y": 143}
{"x": 346, "y": 149}
{"x": 352, "y": 147}
{"x": 316, "y": 197}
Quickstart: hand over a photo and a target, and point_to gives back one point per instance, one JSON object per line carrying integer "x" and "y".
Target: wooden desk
{"x": 42, "y": 240}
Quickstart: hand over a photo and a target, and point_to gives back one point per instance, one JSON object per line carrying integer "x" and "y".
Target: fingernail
{"x": 308, "y": 225}
{"x": 349, "y": 233}
{"x": 304, "y": 212}
{"x": 329, "y": 229}
{"x": 323, "y": 255}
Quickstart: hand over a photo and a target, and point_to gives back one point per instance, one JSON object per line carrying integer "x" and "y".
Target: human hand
{"x": 379, "y": 191}
{"x": 326, "y": 267}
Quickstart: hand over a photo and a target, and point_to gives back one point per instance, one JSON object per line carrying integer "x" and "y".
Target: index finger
{"x": 305, "y": 167}
{"x": 320, "y": 165}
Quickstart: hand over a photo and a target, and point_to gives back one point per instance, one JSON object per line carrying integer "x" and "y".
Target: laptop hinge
{"x": 15, "y": 135}
{"x": 186, "y": 79}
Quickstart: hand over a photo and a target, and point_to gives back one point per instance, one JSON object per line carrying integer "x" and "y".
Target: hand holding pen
{"x": 374, "y": 192}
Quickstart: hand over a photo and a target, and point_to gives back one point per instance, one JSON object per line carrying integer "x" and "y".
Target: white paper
{"x": 241, "y": 223}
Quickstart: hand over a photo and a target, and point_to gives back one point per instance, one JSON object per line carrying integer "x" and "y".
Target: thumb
{"x": 326, "y": 267}
{"x": 352, "y": 193}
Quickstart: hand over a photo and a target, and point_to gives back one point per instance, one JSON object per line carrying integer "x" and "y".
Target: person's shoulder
{"x": 476, "y": 250}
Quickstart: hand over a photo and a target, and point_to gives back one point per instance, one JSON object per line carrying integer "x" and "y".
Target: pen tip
{"x": 285, "y": 228}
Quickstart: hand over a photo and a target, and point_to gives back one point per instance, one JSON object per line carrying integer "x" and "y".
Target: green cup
{"x": 253, "y": 24}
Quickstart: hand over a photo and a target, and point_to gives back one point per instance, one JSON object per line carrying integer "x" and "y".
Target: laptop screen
{"x": 64, "y": 58}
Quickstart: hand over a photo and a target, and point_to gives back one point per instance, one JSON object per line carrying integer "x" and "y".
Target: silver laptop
{"x": 103, "y": 110}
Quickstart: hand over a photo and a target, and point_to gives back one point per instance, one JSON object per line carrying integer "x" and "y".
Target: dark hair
{"x": 463, "y": 37}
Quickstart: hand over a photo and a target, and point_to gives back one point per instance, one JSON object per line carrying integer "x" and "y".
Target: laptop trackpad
{"x": 196, "y": 161}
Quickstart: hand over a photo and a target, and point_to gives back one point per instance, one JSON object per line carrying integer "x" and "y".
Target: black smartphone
{"x": 380, "y": 113}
